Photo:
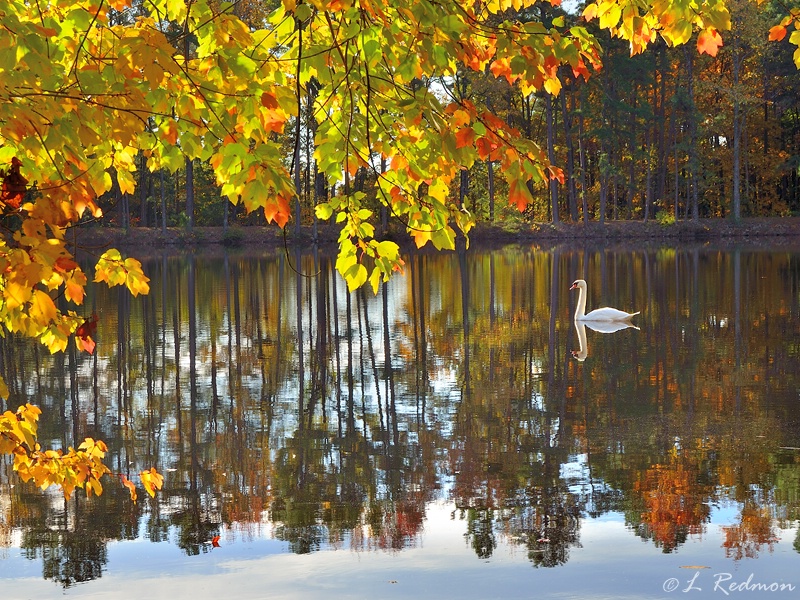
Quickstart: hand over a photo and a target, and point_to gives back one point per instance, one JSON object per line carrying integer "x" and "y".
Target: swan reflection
{"x": 599, "y": 326}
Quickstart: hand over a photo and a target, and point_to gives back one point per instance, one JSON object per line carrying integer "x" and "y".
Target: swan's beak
{"x": 574, "y": 285}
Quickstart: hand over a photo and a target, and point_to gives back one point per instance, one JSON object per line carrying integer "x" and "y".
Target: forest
{"x": 667, "y": 134}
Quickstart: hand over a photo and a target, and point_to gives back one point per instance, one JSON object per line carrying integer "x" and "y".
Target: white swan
{"x": 599, "y": 314}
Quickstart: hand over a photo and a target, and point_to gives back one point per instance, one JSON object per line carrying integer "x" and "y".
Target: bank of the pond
{"x": 776, "y": 230}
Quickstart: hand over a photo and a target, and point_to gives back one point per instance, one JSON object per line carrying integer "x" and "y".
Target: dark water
{"x": 453, "y": 436}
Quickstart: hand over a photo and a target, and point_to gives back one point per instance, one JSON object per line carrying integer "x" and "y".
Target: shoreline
{"x": 752, "y": 231}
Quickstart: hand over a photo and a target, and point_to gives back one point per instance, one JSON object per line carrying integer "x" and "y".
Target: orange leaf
{"x": 590, "y": 12}
{"x": 131, "y": 488}
{"x": 580, "y": 70}
{"x": 278, "y": 211}
{"x": 551, "y": 66}
{"x": 486, "y": 148}
{"x": 171, "y": 132}
{"x": 709, "y": 41}
{"x": 519, "y": 194}
{"x": 501, "y": 68}
{"x": 555, "y": 173}
{"x": 464, "y": 137}
{"x": 74, "y": 291}
{"x": 421, "y": 237}
{"x": 87, "y": 344}
{"x": 777, "y": 33}
{"x": 215, "y": 541}
{"x": 273, "y": 120}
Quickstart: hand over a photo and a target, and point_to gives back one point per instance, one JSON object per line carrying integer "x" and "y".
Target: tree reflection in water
{"x": 276, "y": 403}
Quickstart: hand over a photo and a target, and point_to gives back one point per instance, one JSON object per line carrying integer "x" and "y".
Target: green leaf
{"x": 444, "y": 239}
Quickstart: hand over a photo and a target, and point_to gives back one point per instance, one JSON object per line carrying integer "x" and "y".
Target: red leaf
{"x": 486, "y": 148}
{"x": 268, "y": 100}
{"x": 84, "y": 333}
{"x": 580, "y": 69}
{"x": 215, "y": 541}
{"x": 64, "y": 264}
{"x": 14, "y": 184}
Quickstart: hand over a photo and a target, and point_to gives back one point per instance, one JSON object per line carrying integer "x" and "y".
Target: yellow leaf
{"x": 94, "y": 485}
{"x": 355, "y": 276}
{"x": 420, "y": 237}
{"x": 43, "y": 309}
{"x": 127, "y": 185}
{"x": 152, "y": 481}
{"x": 135, "y": 278}
{"x": 16, "y": 294}
{"x": 552, "y": 85}
{"x": 439, "y": 190}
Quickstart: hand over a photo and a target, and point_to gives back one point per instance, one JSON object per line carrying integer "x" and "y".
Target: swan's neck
{"x": 580, "y": 310}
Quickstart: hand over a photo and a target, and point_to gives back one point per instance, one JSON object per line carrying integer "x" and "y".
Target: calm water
{"x": 453, "y": 436}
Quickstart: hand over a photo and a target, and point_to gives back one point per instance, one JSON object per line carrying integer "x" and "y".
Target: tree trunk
{"x": 190, "y": 192}
{"x": 570, "y": 163}
{"x": 661, "y": 121}
{"x": 551, "y": 156}
{"x": 632, "y": 160}
{"x": 737, "y": 131}
{"x": 582, "y": 161}
{"x": 490, "y": 170}
{"x": 163, "y": 203}
{"x": 463, "y": 187}
{"x": 144, "y": 185}
{"x": 693, "y": 160}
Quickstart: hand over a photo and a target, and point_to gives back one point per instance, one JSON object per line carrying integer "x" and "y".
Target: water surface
{"x": 455, "y": 435}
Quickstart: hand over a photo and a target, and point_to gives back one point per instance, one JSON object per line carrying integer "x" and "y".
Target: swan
{"x": 599, "y": 314}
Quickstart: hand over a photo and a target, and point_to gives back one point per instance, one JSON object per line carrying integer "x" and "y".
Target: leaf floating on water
{"x": 215, "y": 541}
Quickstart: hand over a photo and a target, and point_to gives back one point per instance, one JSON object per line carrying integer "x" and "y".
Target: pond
{"x": 453, "y": 436}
